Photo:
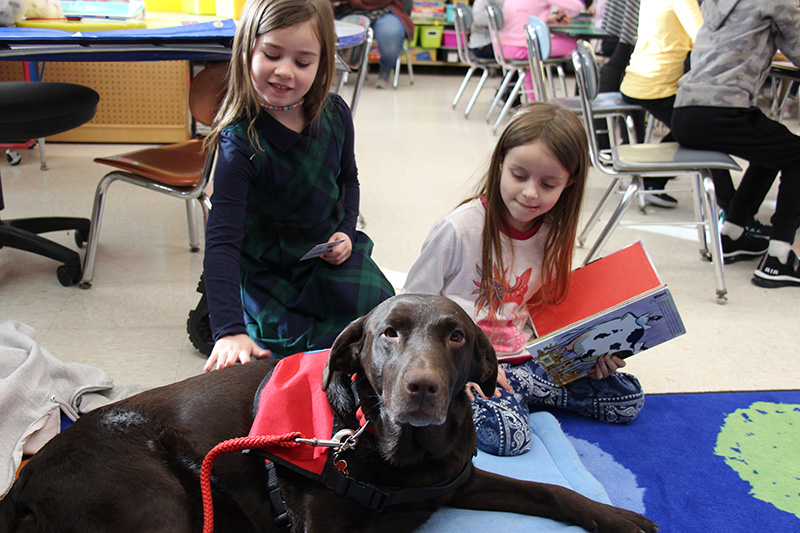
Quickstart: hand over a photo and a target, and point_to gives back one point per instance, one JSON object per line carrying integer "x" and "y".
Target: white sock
{"x": 779, "y": 250}
{"x": 731, "y": 230}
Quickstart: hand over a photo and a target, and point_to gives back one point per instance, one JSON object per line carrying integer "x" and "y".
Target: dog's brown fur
{"x": 134, "y": 465}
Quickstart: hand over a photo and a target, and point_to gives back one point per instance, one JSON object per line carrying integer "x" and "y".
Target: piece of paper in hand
{"x": 321, "y": 249}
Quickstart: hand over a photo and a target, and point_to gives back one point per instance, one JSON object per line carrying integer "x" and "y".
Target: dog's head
{"x": 417, "y": 352}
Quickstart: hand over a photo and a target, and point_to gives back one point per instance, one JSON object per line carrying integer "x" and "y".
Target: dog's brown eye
{"x": 390, "y": 332}
{"x": 457, "y": 336}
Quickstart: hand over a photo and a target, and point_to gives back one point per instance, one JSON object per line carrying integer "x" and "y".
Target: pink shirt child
{"x": 515, "y": 17}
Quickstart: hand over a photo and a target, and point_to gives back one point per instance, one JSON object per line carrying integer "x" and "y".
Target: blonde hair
{"x": 562, "y": 133}
{"x": 260, "y": 17}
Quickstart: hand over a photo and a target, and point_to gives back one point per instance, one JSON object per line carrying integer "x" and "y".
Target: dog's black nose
{"x": 420, "y": 382}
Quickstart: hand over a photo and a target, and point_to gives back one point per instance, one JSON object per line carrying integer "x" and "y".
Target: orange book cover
{"x": 616, "y": 305}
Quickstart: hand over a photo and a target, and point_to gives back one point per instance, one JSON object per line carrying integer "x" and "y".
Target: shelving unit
{"x": 431, "y": 50}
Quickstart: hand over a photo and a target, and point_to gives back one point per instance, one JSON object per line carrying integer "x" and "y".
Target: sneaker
{"x": 758, "y": 229}
{"x": 382, "y": 83}
{"x": 384, "y": 79}
{"x": 660, "y": 200}
{"x": 745, "y": 247}
{"x": 771, "y": 273}
{"x": 754, "y": 227}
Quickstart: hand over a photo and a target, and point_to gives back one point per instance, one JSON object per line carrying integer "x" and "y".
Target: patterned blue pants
{"x": 502, "y": 423}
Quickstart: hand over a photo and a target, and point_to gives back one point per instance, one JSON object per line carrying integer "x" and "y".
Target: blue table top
{"x": 203, "y": 40}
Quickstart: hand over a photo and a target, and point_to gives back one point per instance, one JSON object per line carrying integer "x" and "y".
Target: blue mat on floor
{"x": 701, "y": 462}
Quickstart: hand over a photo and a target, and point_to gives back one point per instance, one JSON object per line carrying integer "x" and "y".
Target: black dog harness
{"x": 291, "y": 399}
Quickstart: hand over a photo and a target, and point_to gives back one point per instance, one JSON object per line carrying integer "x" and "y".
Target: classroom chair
{"x": 182, "y": 170}
{"x": 637, "y": 161}
{"x": 462, "y": 18}
{"x": 354, "y": 60}
{"x": 30, "y": 110}
{"x": 511, "y": 67}
{"x": 408, "y": 5}
{"x": 607, "y": 105}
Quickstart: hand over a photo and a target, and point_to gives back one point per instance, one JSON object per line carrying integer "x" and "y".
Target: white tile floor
{"x": 418, "y": 158}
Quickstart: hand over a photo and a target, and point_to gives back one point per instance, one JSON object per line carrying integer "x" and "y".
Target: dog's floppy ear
{"x": 484, "y": 370}
{"x": 344, "y": 359}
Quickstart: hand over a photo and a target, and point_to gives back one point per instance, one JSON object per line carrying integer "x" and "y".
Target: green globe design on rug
{"x": 760, "y": 443}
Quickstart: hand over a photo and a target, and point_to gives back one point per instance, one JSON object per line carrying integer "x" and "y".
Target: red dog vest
{"x": 292, "y": 400}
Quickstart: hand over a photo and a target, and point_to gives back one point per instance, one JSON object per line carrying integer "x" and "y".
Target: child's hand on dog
{"x": 502, "y": 382}
{"x": 228, "y": 350}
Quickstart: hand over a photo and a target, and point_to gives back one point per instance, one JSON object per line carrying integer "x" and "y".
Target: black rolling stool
{"x": 29, "y": 110}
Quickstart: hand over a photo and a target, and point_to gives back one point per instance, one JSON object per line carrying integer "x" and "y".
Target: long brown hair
{"x": 562, "y": 133}
{"x": 260, "y": 17}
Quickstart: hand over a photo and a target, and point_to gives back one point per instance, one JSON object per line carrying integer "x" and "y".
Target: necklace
{"x": 270, "y": 107}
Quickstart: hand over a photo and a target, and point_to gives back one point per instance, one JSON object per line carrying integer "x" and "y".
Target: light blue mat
{"x": 552, "y": 459}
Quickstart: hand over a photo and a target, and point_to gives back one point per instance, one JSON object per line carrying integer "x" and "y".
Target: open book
{"x": 616, "y": 305}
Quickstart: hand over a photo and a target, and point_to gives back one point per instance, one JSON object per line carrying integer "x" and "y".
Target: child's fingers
{"x": 476, "y": 388}
{"x": 210, "y": 362}
{"x": 469, "y": 394}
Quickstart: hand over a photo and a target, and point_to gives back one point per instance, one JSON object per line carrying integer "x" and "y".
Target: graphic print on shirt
{"x": 502, "y": 305}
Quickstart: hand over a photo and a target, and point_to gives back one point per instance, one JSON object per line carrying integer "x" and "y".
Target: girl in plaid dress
{"x": 285, "y": 181}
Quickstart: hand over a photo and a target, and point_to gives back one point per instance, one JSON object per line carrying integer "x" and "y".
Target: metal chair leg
{"x": 562, "y": 78}
{"x": 712, "y": 222}
{"x": 478, "y": 89}
{"x": 627, "y": 198}
{"x": 94, "y": 229}
{"x": 409, "y": 66}
{"x": 499, "y": 94}
{"x": 42, "y": 158}
{"x": 191, "y": 217}
{"x": 463, "y": 85}
{"x": 362, "y": 71}
{"x": 698, "y": 204}
{"x": 510, "y": 101}
{"x": 595, "y": 216}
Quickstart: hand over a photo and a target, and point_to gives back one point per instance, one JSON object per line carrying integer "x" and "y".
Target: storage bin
{"x": 199, "y": 7}
{"x": 416, "y": 37}
{"x": 449, "y": 39}
{"x": 448, "y": 56}
{"x": 423, "y": 55}
{"x": 430, "y": 37}
{"x": 229, "y": 8}
{"x": 167, "y": 6}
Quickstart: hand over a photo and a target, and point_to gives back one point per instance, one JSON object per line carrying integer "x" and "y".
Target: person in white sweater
{"x": 510, "y": 247}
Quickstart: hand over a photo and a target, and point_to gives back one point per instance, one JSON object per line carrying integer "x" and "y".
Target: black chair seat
{"x": 29, "y": 110}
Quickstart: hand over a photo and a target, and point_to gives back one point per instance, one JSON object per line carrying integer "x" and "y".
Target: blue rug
{"x": 701, "y": 462}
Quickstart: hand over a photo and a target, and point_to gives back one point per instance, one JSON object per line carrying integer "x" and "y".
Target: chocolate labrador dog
{"x": 134, "y": 465}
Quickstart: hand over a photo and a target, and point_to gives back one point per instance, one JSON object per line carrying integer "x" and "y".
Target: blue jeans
{"x": 389, "y": 34}
{"x": 502, "y": 423}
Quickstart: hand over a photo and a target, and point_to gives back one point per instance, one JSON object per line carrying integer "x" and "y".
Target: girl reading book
{"x": 510, "y": 247}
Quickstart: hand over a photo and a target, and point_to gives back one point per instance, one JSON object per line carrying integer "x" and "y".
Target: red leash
{"x": 242, "y": 443}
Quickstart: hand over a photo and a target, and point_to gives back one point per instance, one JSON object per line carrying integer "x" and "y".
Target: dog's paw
{"x": 624, "y": 521}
